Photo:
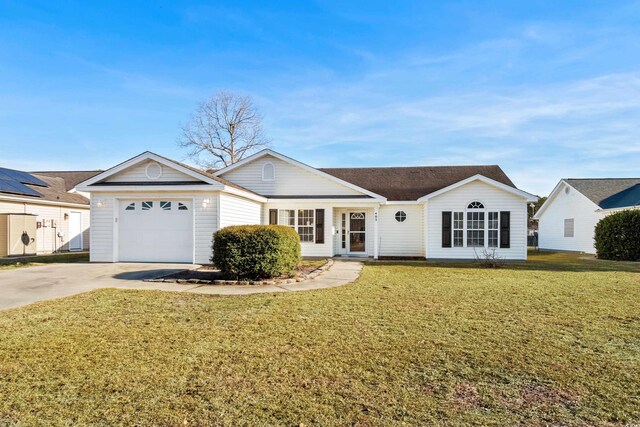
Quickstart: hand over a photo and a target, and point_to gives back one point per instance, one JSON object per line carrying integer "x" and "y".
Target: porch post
{"x": 375, "y": 233}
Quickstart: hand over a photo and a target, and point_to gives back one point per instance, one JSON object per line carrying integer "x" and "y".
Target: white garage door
{"x": 155, "y": 231}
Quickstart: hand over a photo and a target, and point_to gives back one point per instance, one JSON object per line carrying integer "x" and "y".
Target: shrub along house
{"x": 154, "y": 209}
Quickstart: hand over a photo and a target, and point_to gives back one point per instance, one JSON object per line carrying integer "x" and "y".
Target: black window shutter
{"x": 505, "y": 229}
{"x": 446, "y": 229}
{"x": 319, "y": 225}
{"x": 273, "y": 216}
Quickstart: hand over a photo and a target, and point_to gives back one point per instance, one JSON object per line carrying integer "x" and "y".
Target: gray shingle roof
{"x": 413, "y": 182}
{"x": 71, "y": 178}
{"x": 609, "y": 193}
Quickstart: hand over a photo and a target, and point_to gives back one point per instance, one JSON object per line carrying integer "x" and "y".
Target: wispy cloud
{"x": 539, "y": 131}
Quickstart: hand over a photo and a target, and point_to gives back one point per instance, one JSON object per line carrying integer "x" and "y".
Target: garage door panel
{"x": 156, "y": 230}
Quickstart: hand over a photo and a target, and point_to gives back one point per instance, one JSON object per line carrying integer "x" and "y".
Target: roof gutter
{"x": 613, "y": 210}
{"x": 43, "y": 202}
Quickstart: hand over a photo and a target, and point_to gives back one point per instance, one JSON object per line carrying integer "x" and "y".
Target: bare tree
{"x": 223, "y": 129}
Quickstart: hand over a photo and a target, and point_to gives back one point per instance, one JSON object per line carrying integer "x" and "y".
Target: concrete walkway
{"x": 340, "y": 273}
{"x": 22, "y": 286}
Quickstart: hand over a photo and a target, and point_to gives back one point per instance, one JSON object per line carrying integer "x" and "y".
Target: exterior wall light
{"x": 205, "y": 203}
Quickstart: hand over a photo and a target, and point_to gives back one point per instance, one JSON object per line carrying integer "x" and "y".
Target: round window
{"x": 153, "y": 170}
{"x": 401, "y": 216}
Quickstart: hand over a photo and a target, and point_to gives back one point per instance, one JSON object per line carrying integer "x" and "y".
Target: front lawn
{"x": 552, "y": 342}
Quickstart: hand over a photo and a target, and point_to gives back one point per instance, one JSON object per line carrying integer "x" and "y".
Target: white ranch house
{"x": 568, "y": 218}
{"x": 153, "y": 209}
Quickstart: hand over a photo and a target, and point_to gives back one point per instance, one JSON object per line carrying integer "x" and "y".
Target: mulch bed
{"x": 208, "y": 275}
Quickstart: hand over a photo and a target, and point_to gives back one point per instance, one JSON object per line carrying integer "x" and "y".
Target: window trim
{"x": 273, "y": 168}
{"x": 573, "y": 228}
{"x": 296, "y": 222}
{"x": 465, "y": 229}
{"x": 400, "y": 216}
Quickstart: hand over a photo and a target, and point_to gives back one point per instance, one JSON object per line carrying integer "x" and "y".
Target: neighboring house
{"x": 151, "y": 208}
{"x": 567, "y": 220}
{"x": 61, "y": 215}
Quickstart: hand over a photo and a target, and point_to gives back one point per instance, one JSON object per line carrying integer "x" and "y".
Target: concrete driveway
{"x": 26, "y": 285}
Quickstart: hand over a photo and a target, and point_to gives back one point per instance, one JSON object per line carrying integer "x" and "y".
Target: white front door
{"x": 357, "y": 239}
{"x": 155, "y": 230}
{"x": 75, "y": 231}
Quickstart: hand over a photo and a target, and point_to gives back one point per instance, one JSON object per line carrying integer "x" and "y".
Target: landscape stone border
{"x": 308, "y": 276}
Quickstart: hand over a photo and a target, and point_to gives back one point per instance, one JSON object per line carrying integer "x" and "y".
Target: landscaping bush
{"x": 256, "y": 251}
{"x": 617, "y": 236}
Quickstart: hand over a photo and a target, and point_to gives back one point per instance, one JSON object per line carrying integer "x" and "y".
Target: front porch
{"x": 355, "y": 232}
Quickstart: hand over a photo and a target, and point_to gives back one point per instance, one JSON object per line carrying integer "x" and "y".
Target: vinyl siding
{"x": 494, "y": 199}
{"x": 290, "y": 180}
{"x": 137, "y": 173}
{"x": 309, "y": 249}
{"x": 47, "y": 239}
{"x": 102, "y": 224}
{"x": 239, "y": 211}
{"x": 565, "y": 206}
{"x": 104, "y": 237}
{"x": 331, "y": 218}
{"x": 401, "y": 238}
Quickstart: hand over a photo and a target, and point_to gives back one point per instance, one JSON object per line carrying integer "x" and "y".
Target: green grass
{"x": 9, "y": 263}
{"x": 552, "y": 342}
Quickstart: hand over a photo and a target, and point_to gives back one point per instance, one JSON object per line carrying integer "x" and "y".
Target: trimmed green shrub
{"x": 617, "y": 236}
{"x": 256, "y": 251}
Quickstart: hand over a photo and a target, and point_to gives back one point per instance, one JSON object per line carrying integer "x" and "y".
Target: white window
{"x": 493, "y": 224}
{"x": 475, "y": 229}
{"x": 287, "y": 217}
{"x": 401, "y": 216}
{"x": 301, "y": 220}
{"x": 268, "y": 172}
{"x": 306, "y": 225}
{"x": 568, "y": 227}
{"x": 475, "y": 224}
{"x": 458, "y": 229}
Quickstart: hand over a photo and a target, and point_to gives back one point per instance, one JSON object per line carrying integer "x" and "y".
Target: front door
{"x": 357, "y": 233}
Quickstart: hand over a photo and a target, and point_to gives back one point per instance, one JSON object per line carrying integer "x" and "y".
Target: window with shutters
{"x": 301, "y": 220}
{"x": 478, "y": 227}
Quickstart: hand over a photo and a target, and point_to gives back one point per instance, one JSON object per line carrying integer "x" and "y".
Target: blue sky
{"x": 545, "y": 89}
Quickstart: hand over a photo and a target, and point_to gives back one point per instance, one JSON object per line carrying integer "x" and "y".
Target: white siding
{"x": 289, "y": 180}
{"x": 137, "y": 173}
{"x": 565, "y": 206}
{"x": 239, "y": 211}
{"x": 401, "y": 238}
{"x": 494, "y": 199}
{"x": 50, "y": 239}
{"x": 205, "y": 223}
{"x": 103, "y": 219}
{"x": 309, "y": 249}
{"x": 331, "y": 218}
{"x": 102, "y": 226}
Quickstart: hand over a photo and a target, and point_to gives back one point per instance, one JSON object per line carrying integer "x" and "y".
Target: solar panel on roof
{"x": 15, "y": 187}
{"x": 21, "y": 177}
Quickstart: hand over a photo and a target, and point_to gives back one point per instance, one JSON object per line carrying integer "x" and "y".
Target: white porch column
{"x": 375, "y": 233}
